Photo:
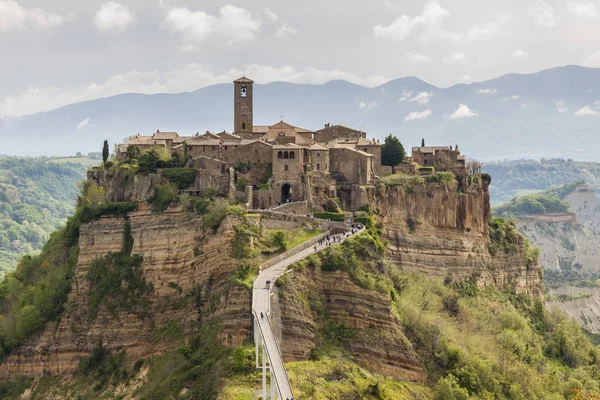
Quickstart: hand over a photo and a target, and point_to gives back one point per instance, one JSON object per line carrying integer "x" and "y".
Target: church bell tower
{"x": 242, "y": 97}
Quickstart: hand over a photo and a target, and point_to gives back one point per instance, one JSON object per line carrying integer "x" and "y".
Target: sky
{"x": 65, "y": 51}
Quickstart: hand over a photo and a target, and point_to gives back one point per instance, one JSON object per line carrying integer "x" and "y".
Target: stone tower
{"x": 242, "y": 97}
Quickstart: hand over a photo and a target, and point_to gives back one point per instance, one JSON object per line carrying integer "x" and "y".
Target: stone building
{"x": 284, "y": 161}
{"x": 435, "y": 155}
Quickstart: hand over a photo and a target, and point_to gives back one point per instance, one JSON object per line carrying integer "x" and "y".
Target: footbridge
{"x": 264, "y": 337}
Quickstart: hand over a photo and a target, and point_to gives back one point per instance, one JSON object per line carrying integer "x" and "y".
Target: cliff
{"x": 431, "y": 228}
{"x": 182, "y": 263}
{"x": 442, "y": 232}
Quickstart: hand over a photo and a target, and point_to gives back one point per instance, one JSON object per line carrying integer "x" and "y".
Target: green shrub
{"x": 104, "y": 367}
{"x": 280, "y": 241}
{"x": 163, "y": 196}
{"x": 332, "y": 207}
{"x": 182, "y": 178}
{"x": 426, "y": 169}
{"x": 264, "y": 186}
{"x": 339, "y": 217}
{"x": 148, "y": 162}
{"x": 217, "y": 212}
{"x": 241, "y": 184}
{"x": 117, "y": 210}
{"x": 443, "y": 177}
{"x": 116, "y": 281}
{"x": 532, "y": 204}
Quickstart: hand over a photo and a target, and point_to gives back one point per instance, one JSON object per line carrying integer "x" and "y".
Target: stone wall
{"x": 353, "y": 166}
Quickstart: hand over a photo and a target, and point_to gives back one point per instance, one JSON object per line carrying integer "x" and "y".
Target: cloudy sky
{"x": 63, "y": 51}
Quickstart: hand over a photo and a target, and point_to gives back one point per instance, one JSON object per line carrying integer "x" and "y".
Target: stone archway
{"x": 286, "y": 192}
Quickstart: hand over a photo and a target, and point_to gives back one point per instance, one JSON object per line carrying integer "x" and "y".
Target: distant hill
{"x": 36, "y": 196}
{"x": 518, "y": 116}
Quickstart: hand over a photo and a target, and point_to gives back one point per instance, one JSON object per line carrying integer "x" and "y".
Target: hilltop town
{"x": 282, "y": 163}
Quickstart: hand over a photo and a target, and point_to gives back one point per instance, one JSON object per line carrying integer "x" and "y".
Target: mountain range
{"x": 552, "y": 113}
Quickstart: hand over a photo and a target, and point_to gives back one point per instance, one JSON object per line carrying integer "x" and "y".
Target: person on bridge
{"x": 262, "y": 315}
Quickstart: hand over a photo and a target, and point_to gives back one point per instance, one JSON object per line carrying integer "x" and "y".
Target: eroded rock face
{"x": 179, "y": 274}
{"x": 378, "y": 342}
{"x": 444, "y": 233}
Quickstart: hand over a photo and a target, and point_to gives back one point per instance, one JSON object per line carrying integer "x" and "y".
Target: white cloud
{"x": 372, "y": 105}
{"x": 586, "y": 111}
{"x": 543, "y": 14}
{"x": 272, "y": 16}
{"x": 13, "y": 16}
{"x": 190, "y": 77}
{"x": 594, "y": 60}
{"x": 519, "y": 53}
{"x": 582, "y": 9}
{"x": 455, "y": 57}
{"x": 463, "y": 112}
{"x": 487, "y": 91}
{"x": 561, "y": 107}
{"x": 418, "y": 57}
{"x": 233, "y": 24}
{"x": 83, "y": 124}
{"x": 417, "y": 115}
{"x": 189, "y": 48}
{"x": 406, "y": 95}
{"x": 113, "y": 17}
{"x": 515, "y": 97}
{"x": 285, "y": 30}
{"x": 422, "y": 98}
{"x": 465, "y": 79}
{"x": 489, "y": 28}
{"x": 430, "y": 23}
{"x": 362, "y": 104}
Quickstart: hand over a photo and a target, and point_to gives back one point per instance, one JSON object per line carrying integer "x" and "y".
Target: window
{"x": 213, "y": 148}
{"x": 325, "y": 166}
{"x": 318, "y": 166}
{"x": 280, "y": 155}
{"x": 366, "y": 150}
{"x": 243, "y": 91}
{"x": 286, "y": 155}
{"x": 225, "y": 147}
{"x": 243, "y": 125}
{"x": 424, "y": 162}
{"x": 280, "y": 133}
{"x": 318, "y": 154}
{"x": 292, "y": 155}
{"x": 286, "y": 168}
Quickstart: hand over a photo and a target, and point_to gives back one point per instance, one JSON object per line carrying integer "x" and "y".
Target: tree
{"x": 105, "y": 151}
{"x": 392, "y": 152}
{"x": 423, "y": 142}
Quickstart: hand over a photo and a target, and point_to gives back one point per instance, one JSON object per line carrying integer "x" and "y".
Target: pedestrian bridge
{"x": 264, "y": 337}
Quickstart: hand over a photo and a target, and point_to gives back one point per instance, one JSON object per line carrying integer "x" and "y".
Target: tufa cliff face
{"x": 432, "y": 228}
{"x": 435, "y": 229}
{"x": 190, "y": 274}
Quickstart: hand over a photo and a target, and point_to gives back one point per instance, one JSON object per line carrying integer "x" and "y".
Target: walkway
{"x": 261, "y": 303}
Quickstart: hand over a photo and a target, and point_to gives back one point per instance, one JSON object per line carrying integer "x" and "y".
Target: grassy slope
{"x": 36, "y": 196}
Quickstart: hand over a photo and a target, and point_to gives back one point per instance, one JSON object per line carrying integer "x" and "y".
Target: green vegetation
{"x": 12, "y": 389}
{"x": 332, "y": 216}
{"x": 539, "y": 203}
{"x": 36, "y": 197}
{"x": 511, "y": 176}
{"x": 443, "y": 177}
{"x": 91, "y": 213}
{"x": 164, "y": 195}
{"x": 103, "y": 367}
{"x": 506, "y": 238}
{"x": 392, "y": 152}
{"x": 182, "y": 178}
{"x": 408, "y": 182}
{"x": 35, "y": 293}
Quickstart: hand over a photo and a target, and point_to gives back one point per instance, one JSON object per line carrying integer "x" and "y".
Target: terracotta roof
{"x": 204, "y": 142}
{"x": 367, "y": 142}
{"x": 181, "y": 139}
{"x": 260, "y": 129}
{"x": 431, "y": 149}
{"x": 353, "y": 150}
{"x": 123, "y": 148}
{"x": 165, "y": 135}
{"x": 287, "y": 146}
{"x": 243, "y": 79}
{"x": 210, "y": 135}
{"x": 141, "y": 140}
{"x": 340, "y": 126}
{"x": 317, "y": 146}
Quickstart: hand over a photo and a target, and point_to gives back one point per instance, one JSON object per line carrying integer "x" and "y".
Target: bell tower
{"x": 242, "y": 108}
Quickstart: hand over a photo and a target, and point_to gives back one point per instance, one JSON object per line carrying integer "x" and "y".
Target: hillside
{"x": 521, "y": 177}
{"x": 430, "y": 302}
{"x": 36, "y": 196}
{"x": 568, "y": 238}
{"x": 518, "y": 113}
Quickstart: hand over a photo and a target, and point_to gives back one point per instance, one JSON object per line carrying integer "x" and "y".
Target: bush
{"x": 442, "y": 177}
{"x": 163, "y": 196}
{"x": 426, "y": 169}
{"x": 117, "y": 210}
{"x": 332, "y": 207}
{"x": 241, "y": 184}
{"x": 339, "y": 217}
{"x": 217, "y": 212}
{"x": 148, "y": 162}
{"x": 182, "y": 178}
